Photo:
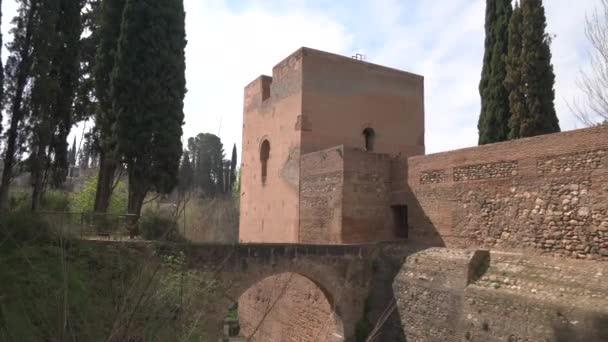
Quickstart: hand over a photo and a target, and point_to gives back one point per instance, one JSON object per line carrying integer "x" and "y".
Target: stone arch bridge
{"x": 344, "y": 273}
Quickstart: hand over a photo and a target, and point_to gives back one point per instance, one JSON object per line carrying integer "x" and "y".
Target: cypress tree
{"x": 108, "y": 34}
{"x": 18, "y": 68}
{"x": 537, "y": 115}
{"x": 55, "y": 76}
{"x": 513, "y": 81}
{"x": 147, "y": 89}
{"x": 186, "y": 173}
{"x": 1, "y": 71}
{"x": 494, "y": 116}
{"x": 73, "y": 153}
{"x": 67, "y": 61}
{"x": 233, "y": 167}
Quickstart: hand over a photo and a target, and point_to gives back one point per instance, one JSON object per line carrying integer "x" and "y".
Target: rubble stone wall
{"x": 546, "y": 194}
{"x": 459, "y": 295}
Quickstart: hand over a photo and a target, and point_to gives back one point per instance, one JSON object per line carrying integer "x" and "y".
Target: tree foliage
{"x": 493, "y": 122}
{"x": 82, "y": 200}
{"x": 72, "y": 153}
{"x": 17, "y": 72}
{"x": 535, "y": 95}
{"x": 147, "y": 91}
{"x": 207, "y": 157}
{"x": 594, "y": 82}
{"x": 108, "y": 33}
{"x": 233, "y": 161}
{"x": 186, "y": 174}
{"x": 1, "y": 72}
{"x": 55, "y": 70}
{"x": 513, "y": 80}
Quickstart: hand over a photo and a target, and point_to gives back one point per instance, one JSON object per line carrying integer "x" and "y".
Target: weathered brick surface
{"x": 346, "y": 196}
{"x": 546, "y": 194}
{"x": 321, "y": 196}
{"x": 456, "y": 295}
{"x": 367, "y": 214}
{"x": 287, "y": 307}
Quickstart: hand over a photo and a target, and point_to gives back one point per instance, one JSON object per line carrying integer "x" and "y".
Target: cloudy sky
{"x": 231, "y": 42}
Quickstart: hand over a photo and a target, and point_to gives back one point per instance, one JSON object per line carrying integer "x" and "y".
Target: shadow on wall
{"x": 383, "y": 312}
{"x": 597, "y": 330}
{"x": 421, "y": 230}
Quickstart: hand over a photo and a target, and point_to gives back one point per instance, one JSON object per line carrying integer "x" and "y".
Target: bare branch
{"x": 594, "y": 83}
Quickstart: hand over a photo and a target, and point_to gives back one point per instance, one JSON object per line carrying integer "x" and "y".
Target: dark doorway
{"x": 400, "y": 219}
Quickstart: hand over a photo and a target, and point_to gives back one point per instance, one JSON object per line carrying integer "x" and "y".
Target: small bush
{"x": 154, "y": 226}
{"x": 23, "y": 225}
{"x": 19, "y": 200}
{"x": 55, "y": 200}
{"x": 82, "y": 201}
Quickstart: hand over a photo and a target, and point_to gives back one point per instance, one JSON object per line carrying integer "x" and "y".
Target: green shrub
{"x": 154, "y": 226}
{"x": 23, "y": 225}
{"x": 82, "y": 201}
{"x": 364, "y": 327}
{"x": 19, "y": 200}
{"x": 55, "y": 200}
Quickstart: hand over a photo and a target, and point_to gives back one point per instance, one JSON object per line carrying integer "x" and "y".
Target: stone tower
{"x": 317, "y": 135}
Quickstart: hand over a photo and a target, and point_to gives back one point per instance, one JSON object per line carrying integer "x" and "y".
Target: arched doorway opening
{"x": 285, "y": 307}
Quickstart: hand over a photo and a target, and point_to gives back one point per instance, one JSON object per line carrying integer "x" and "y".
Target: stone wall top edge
{"x": 309, "y": 52}
{"x": 514, "y": 144}
{"x": 257, "y": 80}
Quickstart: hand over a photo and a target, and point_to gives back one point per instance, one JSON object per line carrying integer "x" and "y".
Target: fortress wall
{"x": 544, "y": 194}
{"x": 458, "y": 295}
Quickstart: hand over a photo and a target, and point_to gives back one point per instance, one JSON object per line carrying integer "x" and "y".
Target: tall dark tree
{"x": 86, "y": 153}
{"x": 85, "y": 104}
{"x": 72, "y": 158}
{"x": 1, "y": 71}
{"x": 186, "y": 174}
{"x": 493, "y": 122}
{"x": 108, "y": 34}
{"x": 233, "y": 167}
{"x": 513, "y": 81}
{"x": 55, "y": 75}
{"x": 207, "y": 153}
{"x": 147, "y": 89}
{"x": 537, "y": 76}
{"x": 18, "y": 68}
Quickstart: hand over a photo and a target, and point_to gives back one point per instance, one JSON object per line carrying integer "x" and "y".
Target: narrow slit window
{"x": 369, "y": 136}
{"x": 264, "y": 156}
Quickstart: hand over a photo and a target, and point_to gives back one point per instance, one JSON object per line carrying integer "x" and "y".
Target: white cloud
{"x": 227, "y": 49}
{"x": 232, "y": 42}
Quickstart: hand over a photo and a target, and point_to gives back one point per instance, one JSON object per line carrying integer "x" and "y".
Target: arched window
{"x": 369, "y": 135}
{"x": 264, "y": 155}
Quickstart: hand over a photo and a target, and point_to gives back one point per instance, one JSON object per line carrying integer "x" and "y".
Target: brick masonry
{"x": 545, "y": 194}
